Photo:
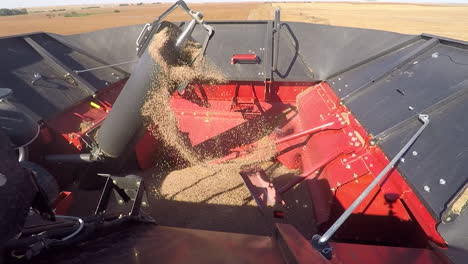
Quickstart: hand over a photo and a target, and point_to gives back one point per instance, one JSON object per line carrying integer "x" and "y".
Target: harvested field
{"x": 445, "y": 20}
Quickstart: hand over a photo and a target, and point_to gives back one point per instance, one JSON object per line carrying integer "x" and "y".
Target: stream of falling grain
{"x": 200, "y": 181}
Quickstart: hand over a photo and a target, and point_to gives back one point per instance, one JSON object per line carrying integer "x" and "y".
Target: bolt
{"x": 415, "y": 153}
{"x": 137, "y": 183}
{"x": 448, "y": 219}
{"x": 353, "y": 155}
{"x": 350, "y": 134}
{"x": 371, "y": 165}
{"x": 427, "y": 188}
{"x": 402, "y": 159}
{"x": 372, "y": 142}
{"x": 354, "y": 138}
{"x": 3, "y": 179}
{"x": 435, "y": 55}
{"x": 120, "y": 202}
{"x": 144, "y": 204}
{"x": 345, "y": 85}
{"x": 442, "y": 181}
{"x": 366, "y": 158}
{"x": 344, "y": 160}
{"x": 339, "y": 79}
{"x": 410, "y": 107}
{"x": 357, "y": 144}
{"x": 114, "y": 182}
{"x": 348, "y": 166}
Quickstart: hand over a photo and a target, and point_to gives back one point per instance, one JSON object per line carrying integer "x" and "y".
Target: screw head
{"x": 442, "y": 181}
{"x": 427, "y": 188}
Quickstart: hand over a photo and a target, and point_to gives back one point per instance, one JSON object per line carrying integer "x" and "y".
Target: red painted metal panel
{"x": 342, "y": 180}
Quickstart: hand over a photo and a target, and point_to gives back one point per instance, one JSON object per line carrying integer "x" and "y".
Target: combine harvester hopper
{"x": 307, "y": 144}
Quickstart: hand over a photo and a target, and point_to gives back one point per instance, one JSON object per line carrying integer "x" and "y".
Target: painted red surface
{"x": 383, "y": 216}
{"x": 224, "y": 117}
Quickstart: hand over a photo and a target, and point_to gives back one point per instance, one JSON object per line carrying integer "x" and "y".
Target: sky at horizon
{"x": 41, "y": 3}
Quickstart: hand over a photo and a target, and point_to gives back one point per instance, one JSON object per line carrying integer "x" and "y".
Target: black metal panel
{"x": 349, "y": 81}
{"x": 411, "y": 89}
{"x": 113, "y": 45}
{"x": 75, "y": 60}
{"x": 439, "y": 153}
{"x": 48, "y": 95}
{"x": 159, "y": 244}
{"x": 291, "y": 66}
{"x": 237, "y": 38}
{"x": 329, "y": 50}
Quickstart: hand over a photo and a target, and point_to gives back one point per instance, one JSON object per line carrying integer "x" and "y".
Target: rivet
{"x": 366, "y": 158}
{"x": 348, "y": 166}
{"x": 371, "y": 165}
{"x": 339, "y": 79}
{"x": 353, "y": 155}
{"x": 357, "y": 144}
{"x": 345, "y": 85}
{"x": 3, "y": 179}
{"x": 427, "y": 188}
{"x": 350, "y": 134}
{"x": 402, "y": 159}
{"x": 344, "y": 160}
{"x": 442, "y": 181}
{"x": 415, "y": 153}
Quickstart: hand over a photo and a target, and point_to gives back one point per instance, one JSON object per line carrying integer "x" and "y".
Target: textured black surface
{"x": 456, "y": 235}
{"x": 47, "y": 96}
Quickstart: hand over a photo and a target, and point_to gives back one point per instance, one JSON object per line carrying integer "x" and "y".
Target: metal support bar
{"x": 329, "y": 233}
{"x": 105, "y": 196}
{"x": 276, "y": 32}
{"x": 72, "y": 46}
{"x": 138, "y": 200}
{"x": 327, "y": 126}
{"x": 308, "y": 173}
{"x": 105, "y": 66}
{"x": 58, "y": 65}
{"x": 149, "y": 30}
{"x": 398, "y": 64}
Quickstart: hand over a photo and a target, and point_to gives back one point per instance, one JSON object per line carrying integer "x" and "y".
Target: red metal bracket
{"x": 63, "y": 203}
{"x": 244, "y": 59}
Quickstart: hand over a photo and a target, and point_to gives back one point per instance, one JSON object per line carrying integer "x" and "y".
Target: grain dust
{"x": 202, "y": 180}
{"x": 175, "y": 67}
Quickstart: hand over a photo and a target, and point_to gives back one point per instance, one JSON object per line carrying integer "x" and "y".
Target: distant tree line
{"x": 13, "y": 12}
